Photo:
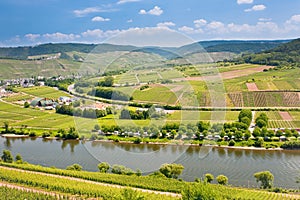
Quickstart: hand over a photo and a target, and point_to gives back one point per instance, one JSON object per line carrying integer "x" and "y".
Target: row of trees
{"x": 108, "y": 93}
{"x": 86, "y": 113}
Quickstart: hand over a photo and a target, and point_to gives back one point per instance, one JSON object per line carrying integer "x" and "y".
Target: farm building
{"x": 42, "y": 102}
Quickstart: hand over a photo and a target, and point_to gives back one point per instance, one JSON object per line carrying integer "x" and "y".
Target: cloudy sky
{"x": 30, "y": 22}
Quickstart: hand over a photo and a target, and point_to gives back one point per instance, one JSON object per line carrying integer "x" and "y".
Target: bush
{"x": 231, "y": 143}
{"x": 222, "y": 180}
{"x": 103, "y": 167}
{"x": 7, "y": 157}
{"x": 266, "y": 178}
{"x": 171, "y": 170}
{"x": 74, "y": 167}
{"x": 209, "y": 178}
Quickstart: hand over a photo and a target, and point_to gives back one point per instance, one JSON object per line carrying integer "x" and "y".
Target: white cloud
{"x": 256, "y": 8}
{"x": 244, "y": 1}
{"x": 190, "y": 30}
{"x": 100, "y": 19}
{"x": 165, "y": 24}
{"x": 265, "y": 19}
{"x": 86, "y": 11}
{"x": 155, "y": 11}
{"x": 129, "y": 21}
{"x": 295, "y": 19}
{"x": 150, "y": 36}
{"x": 61, "y": 37}
{"x": 32, "y": 37}
{"x": 143, "y": 12}
{"x": 200, "y": 22}
{"x": 99, "y": 34}
{"x": 127, "y": 1}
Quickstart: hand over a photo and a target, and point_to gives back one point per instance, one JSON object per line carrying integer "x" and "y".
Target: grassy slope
{"x": 147, "y": 182}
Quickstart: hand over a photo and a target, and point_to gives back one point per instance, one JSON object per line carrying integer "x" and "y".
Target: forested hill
{"x": 234, "y": 46}
{"x": 23, "y": 52}
{"x": 285, "y": 55}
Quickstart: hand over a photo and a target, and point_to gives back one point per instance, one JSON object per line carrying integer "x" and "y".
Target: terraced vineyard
{"x": 265, "y": 99}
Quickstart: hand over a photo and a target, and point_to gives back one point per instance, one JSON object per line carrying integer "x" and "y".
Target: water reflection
{"x": 239, "y": 165}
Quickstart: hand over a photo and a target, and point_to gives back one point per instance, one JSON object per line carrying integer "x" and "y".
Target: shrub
{"x": 74, "y": 167}
{"x": 222, "y": 180}
{"x": 103, "y": 167}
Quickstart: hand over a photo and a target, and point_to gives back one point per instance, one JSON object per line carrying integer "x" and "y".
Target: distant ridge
{"x": 234, "y": 46}
{"x": 286, "y": 54}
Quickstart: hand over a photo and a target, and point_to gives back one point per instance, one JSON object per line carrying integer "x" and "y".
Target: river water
{"x": 238, "y": 165}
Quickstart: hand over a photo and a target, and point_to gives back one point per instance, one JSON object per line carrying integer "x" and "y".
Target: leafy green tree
{"x": 245, "y": 113}
{"x": 209, "y": 178}
{"x": 203, "y": 126}
{"x": 26, "y": 104}
{"x": 74, "y": 167}
{"x": 259, "y": 142}
{"x": 256, "y": 132}
{"x": 6, "y": 126}
{"x": 266, "y": 178}
{"x": 107, "y": 82}
{"x": 261, "y": 123}
{"x": 222, "y": 180}
{"x": 7, "y": 157}
{"x": 97, "y": 127}
{"x": 171, "y": 170}
{"x": 247, "y": 135}
{"x": 231, "y": 143}
{"x": 120, "y": 169}
{"x": 103, "y": 167}
{"x": 19, "y": 159}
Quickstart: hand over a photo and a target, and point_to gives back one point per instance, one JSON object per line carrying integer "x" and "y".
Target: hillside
{"x": 285, "y": 55}
{"x": 23, "y": 52}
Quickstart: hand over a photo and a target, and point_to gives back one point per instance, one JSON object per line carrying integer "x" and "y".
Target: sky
{"x": 146, "y": 22}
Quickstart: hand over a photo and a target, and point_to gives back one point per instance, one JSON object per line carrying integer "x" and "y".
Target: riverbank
{"x": 170, "y": 142}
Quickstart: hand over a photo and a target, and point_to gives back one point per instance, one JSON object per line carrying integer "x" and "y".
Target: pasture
{"x": 43, "y": 92}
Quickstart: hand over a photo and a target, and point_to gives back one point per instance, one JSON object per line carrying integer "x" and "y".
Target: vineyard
{"x": 7, "y": 193}
{"x": 70, "y": 186}
{"x": 265, "y": 99}
{"x": 89, "y": 189}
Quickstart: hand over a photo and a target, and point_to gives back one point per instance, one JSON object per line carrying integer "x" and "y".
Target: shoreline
{"x": 180, "y": 143}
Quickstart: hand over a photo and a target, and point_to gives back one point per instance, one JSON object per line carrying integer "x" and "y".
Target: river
{"x": 238, "y": 165}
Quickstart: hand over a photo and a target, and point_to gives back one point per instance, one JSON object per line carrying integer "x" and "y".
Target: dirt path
{"x": 93, "y": 182}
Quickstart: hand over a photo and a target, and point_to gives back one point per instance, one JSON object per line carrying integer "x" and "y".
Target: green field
{"x": 43, "y": 92}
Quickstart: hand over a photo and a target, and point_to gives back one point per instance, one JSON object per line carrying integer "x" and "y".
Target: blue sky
{"x": 30, "y": 22}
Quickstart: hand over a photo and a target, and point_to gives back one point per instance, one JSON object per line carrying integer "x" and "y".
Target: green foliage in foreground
{"x": 74, "y": 187}
{"x": 189, "y": 190}
{"x": 15, "y": 194}
{"x": 145, "y": 182}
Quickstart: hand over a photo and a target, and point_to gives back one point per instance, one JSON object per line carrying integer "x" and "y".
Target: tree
{"x": 171, "y": 170}
{"x": 245, "y": 113}
{"x": 103, "y": 167}
{"x": 209, "y": 178}
{"x": 97, "y": 127}
{"x": 75, "y": 167}
{"x": 6, "y": 126}
{"x": 266, "y": 178}
{"x": 7, "y": 157}
{"x": 19, "y": 159}
{"x": 26, "y": 104}
{"x": 202, "y": 126}
{"x": 261, "y": 123}
{"x": 222, "y": 180}
{"x": 108, "y": 81}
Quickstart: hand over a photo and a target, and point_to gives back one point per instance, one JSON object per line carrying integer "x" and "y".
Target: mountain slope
{"x": 284, "y": 55}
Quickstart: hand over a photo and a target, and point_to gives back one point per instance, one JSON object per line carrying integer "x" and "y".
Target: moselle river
{"x": 238, "y": 165}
